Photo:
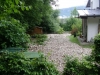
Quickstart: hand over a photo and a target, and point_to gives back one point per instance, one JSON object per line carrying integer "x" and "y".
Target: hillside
{"x": 67, "y": 11}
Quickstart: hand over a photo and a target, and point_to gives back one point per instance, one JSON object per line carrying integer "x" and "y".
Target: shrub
{"x": 96, "y": 51}
{"x": 75, "y": 67}
{"x": 13, "y": 64}
{"x": 43, "y": 67}
{"x": 39, "y": 38}
{"x": 16, "y": 64}
{"x": 74, "y": 29}
{"x": 60, "y": 31}
{"x": 12, "y": 34}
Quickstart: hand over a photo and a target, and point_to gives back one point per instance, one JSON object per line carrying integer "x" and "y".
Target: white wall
{"x": 95, "y": 4}
{"x": 92, "y": 27}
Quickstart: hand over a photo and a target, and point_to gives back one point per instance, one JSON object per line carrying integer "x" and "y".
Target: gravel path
{"x": 57, "y": 47}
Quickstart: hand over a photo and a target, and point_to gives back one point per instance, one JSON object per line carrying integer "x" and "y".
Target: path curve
{"x": 57, "y": 47}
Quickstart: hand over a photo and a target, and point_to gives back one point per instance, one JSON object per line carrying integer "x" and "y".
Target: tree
{"x": 40, "y": 10}
{"x": 41, "y": 15}
{"x": 72, "y": 22}
{"x": 8, "y": 7}
{"x": 12, "y": 34}
{"x": 11, "y": 29}
{"x": 77, "y": 27}
{"x": 74, "y": 13}
{"x": 69, "y": 22}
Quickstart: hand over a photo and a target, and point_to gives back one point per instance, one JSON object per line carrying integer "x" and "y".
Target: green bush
{"x": 12, "y": 34}
{"x": 60, "y": 30}
{"x": 76, "y": 67}
{"x": 96, "y": 51}
{"x": 40, "y": 38}
{"x": 57, "y": 29}
{"x": 16, "y": 64}
{"x": 43, "y": 67}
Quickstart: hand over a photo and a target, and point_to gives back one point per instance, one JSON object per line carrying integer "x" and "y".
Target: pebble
{"x": 57, "y": 47}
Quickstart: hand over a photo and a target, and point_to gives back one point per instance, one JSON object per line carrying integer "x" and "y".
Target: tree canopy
{"x": 22, "y": 16}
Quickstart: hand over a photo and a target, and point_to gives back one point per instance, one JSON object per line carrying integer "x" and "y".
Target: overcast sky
{"x": 71, "y": 3}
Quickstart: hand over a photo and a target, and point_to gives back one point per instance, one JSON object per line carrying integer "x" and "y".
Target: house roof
{"x": 88, "y": 4}
{"x": 89, "y": 13}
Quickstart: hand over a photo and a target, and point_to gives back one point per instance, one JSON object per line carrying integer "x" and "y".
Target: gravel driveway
{"x": 58, "y": 46}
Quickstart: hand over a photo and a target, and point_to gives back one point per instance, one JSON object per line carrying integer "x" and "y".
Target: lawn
{"x": 75, "y": 40}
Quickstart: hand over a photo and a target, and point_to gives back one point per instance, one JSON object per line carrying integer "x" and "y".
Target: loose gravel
{"x": 57, "y": 47}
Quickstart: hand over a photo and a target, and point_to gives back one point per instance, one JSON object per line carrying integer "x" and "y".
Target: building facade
{"x": 90, "y": 20}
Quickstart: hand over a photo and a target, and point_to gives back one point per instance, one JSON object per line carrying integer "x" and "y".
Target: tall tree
{"x": 40, "y": 13}
{"x": 11, "y": 29}
{"x": 74, "y": 12}
{"x": 8, "y": 7}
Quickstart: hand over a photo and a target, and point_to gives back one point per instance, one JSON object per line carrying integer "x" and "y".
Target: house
{"x": 90, "y": 20}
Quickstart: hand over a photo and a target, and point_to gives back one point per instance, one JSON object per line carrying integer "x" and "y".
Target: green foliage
{"x": 77, "y": 28}
{"x": 38, "y": 15}
{"x": 11, "y": 31}
{"x": 96, "y": 51}
{"x": 74, "y": 13}
{"x": 50, "y": 22}
{"x": 55, "y": 14}
{"x": 8, "y": 7}
{"x": 72, "y": 23}
{"x": 43, "y": 67}
{"x": 17, "y": 64}
{"x": 14, "y": 64}
{"x": 12, "y": 34}
{"x": 69, "y": 22}
{"x": 41, "y": 14}
{"x": 39, "y": 38}
{"x": 75, "y": 67}
{"x": 74, "y": 40}
{"x": 57, "y": 28}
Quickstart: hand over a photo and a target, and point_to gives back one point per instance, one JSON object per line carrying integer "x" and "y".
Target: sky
{"x": 70, "y": 3}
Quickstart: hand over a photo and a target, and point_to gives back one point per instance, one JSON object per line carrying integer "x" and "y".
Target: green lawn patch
{"x": 75, "y": 40}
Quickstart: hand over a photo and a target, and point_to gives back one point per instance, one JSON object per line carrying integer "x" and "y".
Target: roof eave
{"x": 89, "y": 16}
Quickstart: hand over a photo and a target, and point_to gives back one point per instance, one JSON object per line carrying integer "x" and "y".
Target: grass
{"x": 75, "y": 40}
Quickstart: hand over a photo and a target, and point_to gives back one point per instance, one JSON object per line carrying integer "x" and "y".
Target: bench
{"x": 27, "y": 54}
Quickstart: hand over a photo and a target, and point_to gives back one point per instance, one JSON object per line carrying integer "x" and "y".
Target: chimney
{"x": 99, "y": 3}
